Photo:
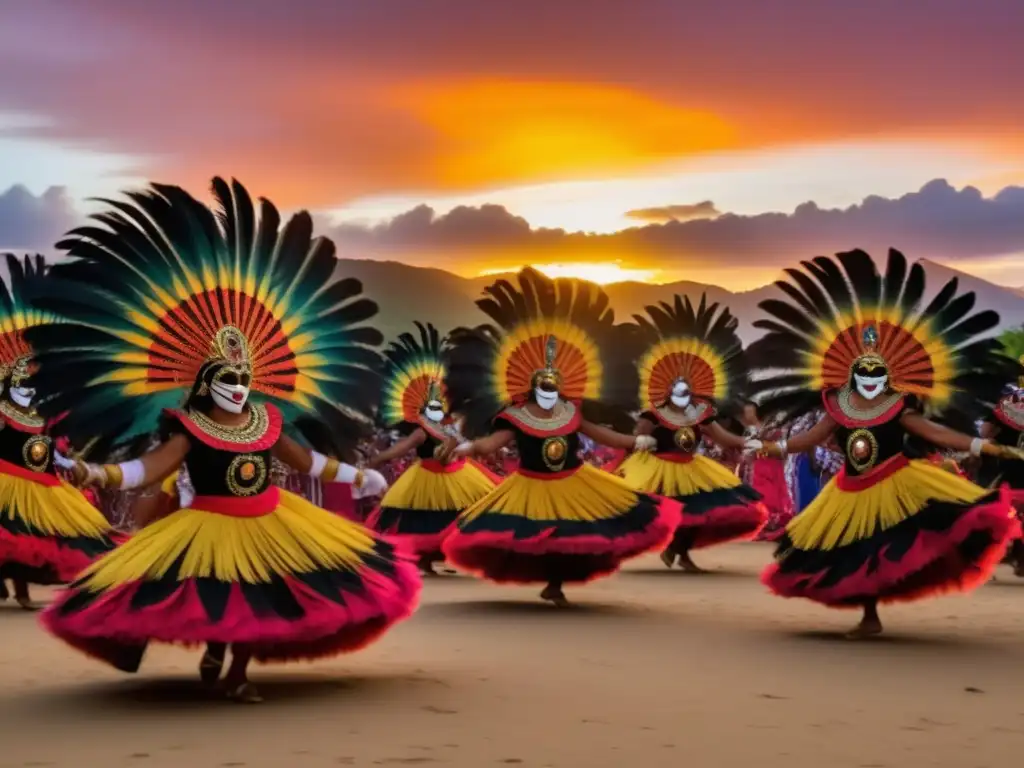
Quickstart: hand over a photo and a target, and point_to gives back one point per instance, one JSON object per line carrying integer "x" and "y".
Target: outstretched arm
{"x": 944, "y": 437}
{"x": 724, "y": 437}
{"x": 329, "y": 470}
{"x": 152, "y": 468}
{"x": 614, "y": 439}
{"x": 484, "y": 446}
{"x": 399, "y": 449}
{"x": 805, "y": 441}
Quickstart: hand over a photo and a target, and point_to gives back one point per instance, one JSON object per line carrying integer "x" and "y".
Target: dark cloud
{"x": 31, "y": 223}
{"x": 663, "y": 213}
{"x": 305, "y": 99}
{"x": 937, "y": 222}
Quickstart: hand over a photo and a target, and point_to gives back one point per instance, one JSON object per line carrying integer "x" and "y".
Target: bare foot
{"x": 554, "y": 595}
{"x": 668, "y": 557}
{"x": 867, "y": 628}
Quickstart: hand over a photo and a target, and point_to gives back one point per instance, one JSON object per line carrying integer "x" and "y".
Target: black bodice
{"x": 866, "y": 444}
{"x": 221, "y": 463}
{"x": 425, "y": 450}
{"x": 25, "y": 449}
{"x": 544, "y": 449}
{"x": 678, "y": 439}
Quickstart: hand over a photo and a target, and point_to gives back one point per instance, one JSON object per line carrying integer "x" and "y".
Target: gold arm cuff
{"x": 113, "y": 477}
{"x": 360, "y": 479}
{"x": 330, "y": 471}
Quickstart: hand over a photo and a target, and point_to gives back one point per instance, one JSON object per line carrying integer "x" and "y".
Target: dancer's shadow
{"x": 145, "y": 696}
{"x": 920, "y": 643}
{"x": 679, "y": 573}
{"x": 520, "y": 609}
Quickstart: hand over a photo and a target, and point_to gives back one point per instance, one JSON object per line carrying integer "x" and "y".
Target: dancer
{"x": 166, "y": 298}
{"x": 692, "y": 368}
{"x": 49, "y": 531}
{"x": 554, "y": 520}
{"x": 886, "y": 528}
{"x": 421, "y": 505}
{"x": 1005, "y": 426}
{"x": 764, "y": 475}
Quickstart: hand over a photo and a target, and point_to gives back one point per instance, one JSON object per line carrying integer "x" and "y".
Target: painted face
{"x": 870, "y": 379}
{"x": 230, "y": 389}
{"x": 22, "y": 396}
{"x": 434, "y": 411}
{"x": 22, "y": 390}
{"x": 545, "y": 391}
{"x": 680, "y": 396}
{"x": 546, "y": 398}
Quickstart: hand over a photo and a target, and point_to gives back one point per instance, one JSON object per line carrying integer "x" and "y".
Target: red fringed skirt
{"x": 272, "y": 571}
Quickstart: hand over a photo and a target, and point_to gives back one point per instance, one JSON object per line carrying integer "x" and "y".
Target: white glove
{"x": 463, "y": 448}
{"x": 644, "y": 443}
{"x": 753, "y": 446}
{"x": 63, "y": 461}
{"x": 374, "y": 484}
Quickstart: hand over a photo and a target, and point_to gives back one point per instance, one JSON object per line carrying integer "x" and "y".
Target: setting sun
{"x": 596, "y": 272}
{"x": 496, "y": 131}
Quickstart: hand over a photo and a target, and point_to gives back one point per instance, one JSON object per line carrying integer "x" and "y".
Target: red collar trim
{"x": 1005, "y": 418}
{"x": 20, "y": 427}
{"x": 830, "y": 399}
{"x": 267, "y": 440}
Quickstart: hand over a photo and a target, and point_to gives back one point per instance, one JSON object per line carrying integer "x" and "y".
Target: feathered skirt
{"x": 716, "y": 506}
{"x": 49, "y": 532}
{"x": 421, "y": 506}
{"x": 903, "y": 531}
{"x": 289, "y": 579}
{"x": 570, "y": 526}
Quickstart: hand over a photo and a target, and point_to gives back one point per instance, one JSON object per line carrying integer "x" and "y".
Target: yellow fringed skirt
{"x": 49, "y": 532}
{"x": 716, "y": 506}
{"x": 424, "y": 502}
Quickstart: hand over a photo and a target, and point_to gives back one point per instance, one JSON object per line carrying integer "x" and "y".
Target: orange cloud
{"x": 318, "y": 103}
{"x": 492, "y": 131}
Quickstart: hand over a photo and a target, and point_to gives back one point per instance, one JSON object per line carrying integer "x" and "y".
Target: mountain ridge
{"x": 406, "y": 293}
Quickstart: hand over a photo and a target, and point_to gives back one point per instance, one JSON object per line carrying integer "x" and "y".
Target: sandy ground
{"x": 651, "y": 668}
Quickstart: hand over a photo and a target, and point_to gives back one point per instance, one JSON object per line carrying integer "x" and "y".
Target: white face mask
{"x": 434, "y": 413}
{"x": 870, "y": 387}
{"x": 229, "y": 397}
{"x": 680, "y": 396}
{"x": 545, "y": 399}
{"x": 22, "y": 396}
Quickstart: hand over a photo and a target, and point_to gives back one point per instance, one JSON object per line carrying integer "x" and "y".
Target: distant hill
{"x": 406, "y": 293}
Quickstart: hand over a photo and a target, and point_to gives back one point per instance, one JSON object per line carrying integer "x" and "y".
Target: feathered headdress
{"x": 841, "y": 314}
{"x": 561, "y": 330}
{"x": 18, "y": 314}
{"x": 413, "y": 376}
{"x": 161, "y": 285}
{"x": 699, "y": 346}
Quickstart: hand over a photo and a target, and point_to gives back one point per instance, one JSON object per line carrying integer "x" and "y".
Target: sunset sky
{"x": 643, "y": 139}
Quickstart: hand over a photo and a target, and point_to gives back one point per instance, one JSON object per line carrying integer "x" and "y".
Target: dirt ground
{"x": 650, "y": 668}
